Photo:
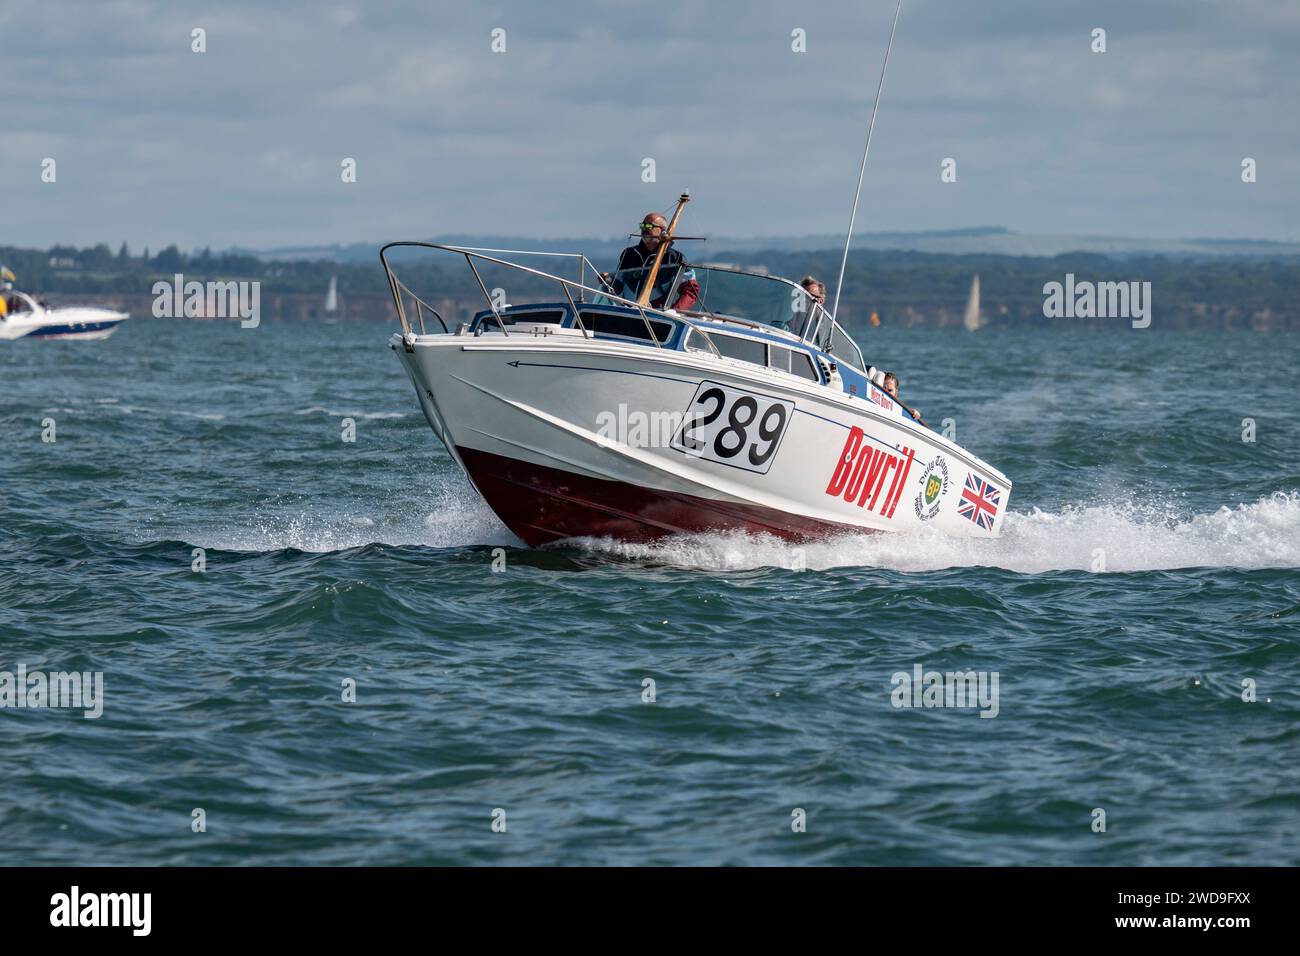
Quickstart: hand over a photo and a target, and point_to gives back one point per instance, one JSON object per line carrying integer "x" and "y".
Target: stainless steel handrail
{"x": 421, "y": 307}
{"x": 583, "y": 261}
{"x": 491, "y": 305}
{"x": 471, "y": 254}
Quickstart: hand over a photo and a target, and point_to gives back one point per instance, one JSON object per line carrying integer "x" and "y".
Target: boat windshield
{"x": 725, "y": 292}
{"x": 769, "y": 300}
{"x": 629, "y": 282}
{"x": 765, "y": 300}
{"x": 20, "y": 302}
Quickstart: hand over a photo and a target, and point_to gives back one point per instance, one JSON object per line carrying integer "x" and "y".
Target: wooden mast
{"x": 644, "y": 297}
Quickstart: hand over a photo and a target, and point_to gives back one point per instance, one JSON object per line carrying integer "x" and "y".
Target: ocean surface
{"x": 1149, "y": 566}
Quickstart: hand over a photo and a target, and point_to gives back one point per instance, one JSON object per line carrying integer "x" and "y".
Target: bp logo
{"x": 933, "y": 486}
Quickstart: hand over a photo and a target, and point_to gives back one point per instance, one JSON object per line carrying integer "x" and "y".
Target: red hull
{"x": 542, "y": 504}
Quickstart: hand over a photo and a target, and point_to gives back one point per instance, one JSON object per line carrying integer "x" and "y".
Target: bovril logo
{"x": 862, "y": 470}
{"x": 934, "y": 486}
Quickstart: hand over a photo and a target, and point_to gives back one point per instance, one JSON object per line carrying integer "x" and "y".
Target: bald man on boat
{"x": 635, "y": 262}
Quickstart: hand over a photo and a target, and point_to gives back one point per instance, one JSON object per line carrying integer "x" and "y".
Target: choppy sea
{"x": 1141, "y": 611}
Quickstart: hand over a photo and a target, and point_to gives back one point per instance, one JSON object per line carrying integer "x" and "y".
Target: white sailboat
{"x": 332, "y": 297}
{"x": 972, "y": 319}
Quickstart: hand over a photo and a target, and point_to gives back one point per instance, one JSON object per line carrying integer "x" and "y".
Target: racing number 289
{"x": 723, "y": 422}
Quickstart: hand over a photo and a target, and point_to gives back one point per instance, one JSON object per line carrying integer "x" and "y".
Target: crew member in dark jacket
{"x": 635, "y": 262}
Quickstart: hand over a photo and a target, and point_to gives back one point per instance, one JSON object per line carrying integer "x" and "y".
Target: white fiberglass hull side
{"x": 70, "y": 323}
{"x": 566, "y": 436}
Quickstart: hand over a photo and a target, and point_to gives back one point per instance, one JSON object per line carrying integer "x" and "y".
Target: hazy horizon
{"x": 973, "y": 241}
{"x": 833, "y": 240}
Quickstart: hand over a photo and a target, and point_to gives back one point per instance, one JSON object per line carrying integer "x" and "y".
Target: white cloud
{"x": 547, "y": 139}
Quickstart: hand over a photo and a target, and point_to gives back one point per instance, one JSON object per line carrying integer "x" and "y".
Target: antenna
{"x": 870, "y": 129}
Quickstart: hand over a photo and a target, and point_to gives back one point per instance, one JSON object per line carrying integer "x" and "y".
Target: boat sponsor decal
{"x": 979, "y": 501}
{"x": 933, "y": 487}
{"x": 860, "y": 474}
{"x": 881, "y": 399}
{"x": 730, "y": 426}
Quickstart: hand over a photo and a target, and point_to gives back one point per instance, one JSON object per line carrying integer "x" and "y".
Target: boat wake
{"x": 455, "y": 516}
{"x": 1109, "y": 538}
{"x": 1101, "y": 538}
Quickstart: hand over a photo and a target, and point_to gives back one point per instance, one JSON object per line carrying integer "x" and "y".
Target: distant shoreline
{"x": 905, "y": 288}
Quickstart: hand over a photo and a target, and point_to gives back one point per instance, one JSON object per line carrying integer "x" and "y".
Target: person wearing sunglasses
{"x": 815, "y": 289}
{"x": 635, "y": 262}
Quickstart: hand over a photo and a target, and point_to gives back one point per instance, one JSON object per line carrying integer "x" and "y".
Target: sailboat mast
{"x": 858, "y": 192}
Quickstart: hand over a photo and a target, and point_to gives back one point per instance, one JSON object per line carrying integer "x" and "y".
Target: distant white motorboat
{"x": 29, "y": 319}
{"x": 972, "y": 319}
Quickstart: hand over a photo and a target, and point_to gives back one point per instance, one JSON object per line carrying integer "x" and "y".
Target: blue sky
{"x": 242, "y": 145}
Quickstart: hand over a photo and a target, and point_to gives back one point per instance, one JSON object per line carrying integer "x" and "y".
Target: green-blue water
{"x": 1120, "y": 689}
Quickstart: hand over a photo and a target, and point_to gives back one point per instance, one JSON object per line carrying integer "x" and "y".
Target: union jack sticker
{"x": 979, "y": 502}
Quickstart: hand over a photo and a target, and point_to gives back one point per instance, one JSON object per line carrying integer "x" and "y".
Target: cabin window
{"x": 747, "y": 350}
{"x": 696, "y": 342}
{"x": 793, "y": 361}
{"x": 842, "y": 346}
{"x": 511, "y": 316}
{"x": 625, "y": 326}
{"x": 548, "y": 315}
{"x": 801, "y": 365}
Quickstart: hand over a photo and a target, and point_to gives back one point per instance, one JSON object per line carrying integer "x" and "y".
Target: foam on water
{"x": 1118, "y": 537}
{"x": 453, "y": 516}
{"x": 322, "y": 410}
{"x": 1097, "y": 538}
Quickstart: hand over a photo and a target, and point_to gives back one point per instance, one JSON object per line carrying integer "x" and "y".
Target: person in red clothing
{"x": 634, "y": 268}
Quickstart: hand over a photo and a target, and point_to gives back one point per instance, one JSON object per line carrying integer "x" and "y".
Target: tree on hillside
{"x": 98, "y": 258}
{"x": 169, "y": 260}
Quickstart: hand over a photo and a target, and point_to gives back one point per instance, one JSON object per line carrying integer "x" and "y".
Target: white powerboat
{"x": 29, "y": 319}
{"x": 592, "y": 413}
{"x": 589, "y": 414}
